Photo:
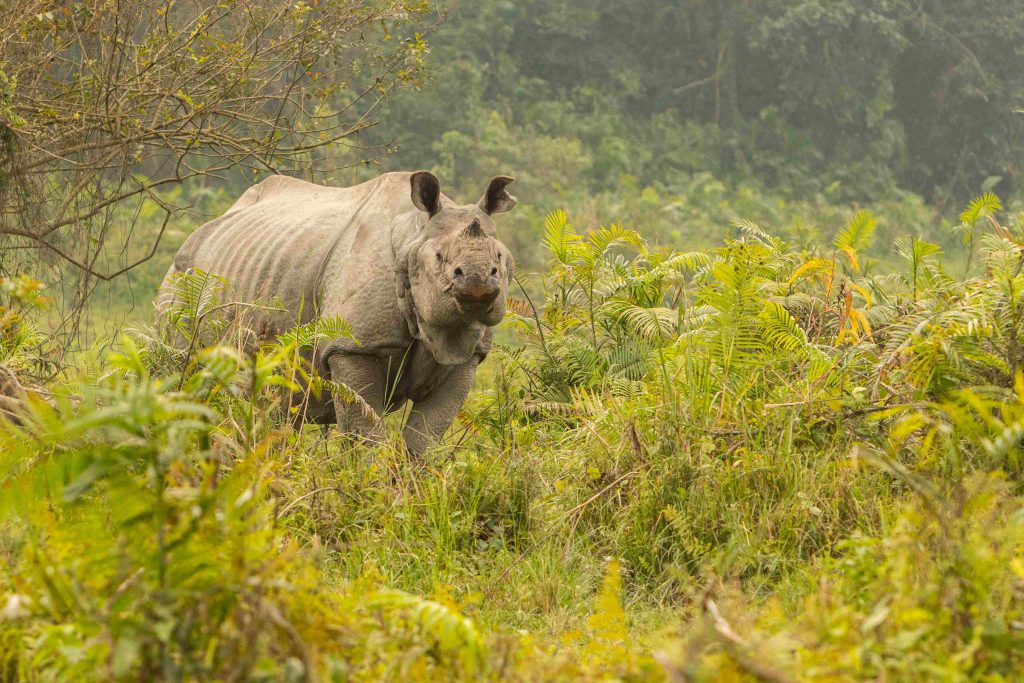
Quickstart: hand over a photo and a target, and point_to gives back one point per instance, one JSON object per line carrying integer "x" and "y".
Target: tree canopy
{"x": 104, "y": 104}
{"x": 923, "y": 94}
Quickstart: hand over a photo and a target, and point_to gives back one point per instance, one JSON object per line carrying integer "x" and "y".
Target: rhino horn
{"x": 473, "y": 229}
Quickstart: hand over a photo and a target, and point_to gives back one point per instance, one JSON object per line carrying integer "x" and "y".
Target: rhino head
{"x": 454, "y": 275}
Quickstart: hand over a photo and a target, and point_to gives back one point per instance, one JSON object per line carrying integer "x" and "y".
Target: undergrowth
{"x": 755, "y": 462}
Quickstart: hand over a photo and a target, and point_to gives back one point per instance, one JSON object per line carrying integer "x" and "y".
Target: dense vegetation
{"x": 814, "y": 471}
{"x": 678, "y": 118}
{"x": 766, "y": 427}
{"x": 593, "y": 103}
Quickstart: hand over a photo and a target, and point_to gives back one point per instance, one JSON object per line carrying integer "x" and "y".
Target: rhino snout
{"x": 475, "y": 289}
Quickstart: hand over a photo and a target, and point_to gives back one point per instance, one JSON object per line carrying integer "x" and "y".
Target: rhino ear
{"x": 426, "y": 192}
{"x": 497, "y": 199}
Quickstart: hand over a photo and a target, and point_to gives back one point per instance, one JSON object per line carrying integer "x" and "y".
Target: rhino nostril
{"x": 458, "y": 272}
{"x": 494, "y": 271}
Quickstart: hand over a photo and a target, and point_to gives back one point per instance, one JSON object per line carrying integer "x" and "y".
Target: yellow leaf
{"x": 608, "y": 622}
{"x": 852, "y": 255}
{"x": 1017, "y": 565}
{"x": 815, "y": 266}
{"x": 864, "y": 293}
{"x": 858, "y": 318}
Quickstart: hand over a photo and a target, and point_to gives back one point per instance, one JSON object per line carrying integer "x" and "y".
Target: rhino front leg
{"x": 359, "y": 415}
{"x": 430, "y": 418}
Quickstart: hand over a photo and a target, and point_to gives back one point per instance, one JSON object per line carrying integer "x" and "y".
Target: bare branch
{"x": 103, "y": 103}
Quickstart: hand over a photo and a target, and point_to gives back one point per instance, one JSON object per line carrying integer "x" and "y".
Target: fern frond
{"x": 600, "y": 241}
{"x": 781, "y": 330}
{"x": 915, "y": 250}
{"x": 647, "y": 323}
{"x": 305, "y": 337}
{"x": 559, "y": 236}
{"x": 629, "y": 360}
{"x": 980, "y": 207}
{"x": 454, "y": 634}
{"x": 193, "y": 294}
{"x": 810, "y": 268}
{"x": 857, "y": 233}
{"x": 691, "y": 261}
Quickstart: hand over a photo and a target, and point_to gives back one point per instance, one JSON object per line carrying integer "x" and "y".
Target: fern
{"x": 811, "y": 268}
{"x": 647, "y": 323}
{"x": 559, "y": 236}
{"x": 691, "y": 261}
{"x": 781, "y": 330}
{"x": 608, "y": 622}
{"x": 306, "y": 337}
{"x": 752, "y": 231}
{"x": 983, "y": 206}
{"x": 599, "y": 242}
{"x": 916, "y": 252}
{"x": 628, "y": 360}
{"x": 589, "y": 403}
{"x": 857, "y": 233}
{"x": 193, "y": 295}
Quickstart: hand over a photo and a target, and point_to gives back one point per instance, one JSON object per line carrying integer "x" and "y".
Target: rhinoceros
{"x": 421, "y": 279}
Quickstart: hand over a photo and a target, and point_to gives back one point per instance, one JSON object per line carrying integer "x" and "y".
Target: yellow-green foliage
{"x": 752, "y": 463}
{"x": 937, "y": 597}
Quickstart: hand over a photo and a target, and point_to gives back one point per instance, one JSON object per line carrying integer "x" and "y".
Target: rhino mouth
{"x": 476, "y": 309}
{"x": 472, "y": 304}
{"x": 476, "y": 302}
{"x": 449, "y": 308}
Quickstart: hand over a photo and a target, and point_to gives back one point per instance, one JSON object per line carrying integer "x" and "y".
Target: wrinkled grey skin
{"x": 421, "y": 279}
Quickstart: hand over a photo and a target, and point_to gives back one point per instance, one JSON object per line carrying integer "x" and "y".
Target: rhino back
{"x": 309, "y": 249}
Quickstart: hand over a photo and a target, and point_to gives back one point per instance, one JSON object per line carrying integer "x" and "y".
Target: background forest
{"x": 757, "y": 409}
{"x": 680, "y": 117}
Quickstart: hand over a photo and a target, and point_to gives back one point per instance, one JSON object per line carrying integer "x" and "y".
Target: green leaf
{"x": 980, "y": 207}
{"x": 559, "y": 236}
{"x": 857, "y": 234}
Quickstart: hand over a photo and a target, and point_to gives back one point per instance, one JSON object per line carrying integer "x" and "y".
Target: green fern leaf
{"x": 781, "y": 330}
{"x": 858, "y": 233}
{"x": 559, "y": 236}
{"x": 981, "y": 207}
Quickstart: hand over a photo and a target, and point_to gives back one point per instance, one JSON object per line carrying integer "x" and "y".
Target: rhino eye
{"x": 439, "y": 257}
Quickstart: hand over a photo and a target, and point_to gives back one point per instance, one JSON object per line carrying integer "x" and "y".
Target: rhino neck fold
{"x": 451, "y": 346}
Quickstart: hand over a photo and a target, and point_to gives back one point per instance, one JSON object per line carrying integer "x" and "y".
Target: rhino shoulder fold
{"x": 404, "y": 295}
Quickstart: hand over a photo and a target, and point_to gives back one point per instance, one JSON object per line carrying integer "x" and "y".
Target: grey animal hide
{"x": 421, "y": 280}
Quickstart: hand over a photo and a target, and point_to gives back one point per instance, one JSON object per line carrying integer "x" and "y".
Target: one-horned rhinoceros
{"x": 421, "y": 280}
